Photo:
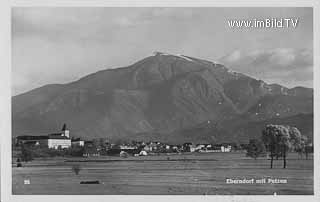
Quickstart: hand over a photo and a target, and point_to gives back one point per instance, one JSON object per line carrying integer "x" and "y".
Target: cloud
{"x": 124, "y": 21}
{"x": 64, "y": 43}
{"x": 177, "y": 13}
{"x": 282, "y": 57}
{"x": 147, "y": 16}
{"x": 232, "y": 57}
{"x": 286, "y": 66}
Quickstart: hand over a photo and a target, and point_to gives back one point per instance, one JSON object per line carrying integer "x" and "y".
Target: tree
{"x": 308, "y": 149}
{"x": 300, "y": 151}
{"x": 305, "y": 147}
{"x": 76, "y": 169}
{"x": 279, "y": 139}
{"x": 75, "y": 151}
{"x": 26, "y": 153}
{"x": 256, "y": 149}
{"x": 276, "y": 137}
{"x": 19, "y": 164}
{"x": 300, "y": 147}
{"x": 124, "y": 154}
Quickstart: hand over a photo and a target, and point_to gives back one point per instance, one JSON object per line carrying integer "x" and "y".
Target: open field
{"x": 165, "y": 174}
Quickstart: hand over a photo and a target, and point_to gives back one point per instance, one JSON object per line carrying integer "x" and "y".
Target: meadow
{"x": 184, "y": 174}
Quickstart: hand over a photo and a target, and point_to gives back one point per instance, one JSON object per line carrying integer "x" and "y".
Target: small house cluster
{"x": 142, "y": 149}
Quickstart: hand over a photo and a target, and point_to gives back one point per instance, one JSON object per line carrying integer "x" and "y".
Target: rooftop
{"x": 42, "y": 137}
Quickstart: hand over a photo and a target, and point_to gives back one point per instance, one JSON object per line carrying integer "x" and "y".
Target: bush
{"x": 124, "y": 154}
{"x": 31, "y": 152}
{"x": 75, "y": 151}
{"x": 26, "y": 153}
{"x": 256, "y": 149}
{"x": 19, "y": 164}
{"x": 76, "y": 169}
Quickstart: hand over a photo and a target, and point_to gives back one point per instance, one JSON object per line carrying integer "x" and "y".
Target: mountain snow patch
{"x": 177, "y": 55}
{"x": 184, "y": 57}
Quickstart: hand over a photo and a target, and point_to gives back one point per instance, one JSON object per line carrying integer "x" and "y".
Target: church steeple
{"x": 65, "y": 131}
{"x": 64, "y": 127}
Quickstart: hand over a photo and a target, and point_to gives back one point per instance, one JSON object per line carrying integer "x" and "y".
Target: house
{"x": 32, "y": 143}
{"x": 219, "y": 148}
{"x": 29, "y": 139}
{"x": 192, "y": 148}
{"x": 77, "y": 142}
{"x": 200, "y": 146}
{"x": 176, "y": 148}
{"x": 89, "y": 144}
{"x": 153, "y": 146}
{"x": 127, "y": 147}
{"x": 147, "y": 148}
{"x": 124, "y": 154}
{"x": 187, "y": 146}
{"x": 90, "y": 149}
{"x": 209, "y": 146}
{"x": 206, "y": 148}
{"x": 226, "y": 148}
{"x": 143, "y": 153}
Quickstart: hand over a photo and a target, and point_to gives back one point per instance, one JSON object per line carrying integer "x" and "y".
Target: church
{"x": 57, "y": 140}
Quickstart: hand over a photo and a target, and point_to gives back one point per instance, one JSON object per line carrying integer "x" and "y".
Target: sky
{"x": 60, "y": 45}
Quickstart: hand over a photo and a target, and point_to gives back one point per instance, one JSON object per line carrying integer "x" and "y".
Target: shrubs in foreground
{"x": 28, "y": 153}
{"x": 76, "y": 168}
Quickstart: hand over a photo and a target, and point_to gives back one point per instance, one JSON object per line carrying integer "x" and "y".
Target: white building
{"x": 77, "y": 142}
{"x": 143, "y": 153}
{"x": 58, "y": 142}
{"x": 200, "y": 146}
{"x": 226, "y": 149}
{"x": 55, "y": 140}
{"x": 193, "y": 148}
{"x": 127, "y": 147}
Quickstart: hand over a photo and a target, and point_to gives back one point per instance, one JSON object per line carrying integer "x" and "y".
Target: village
{"x": 62, "y": 141}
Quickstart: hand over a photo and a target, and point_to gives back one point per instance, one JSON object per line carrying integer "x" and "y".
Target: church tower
{"x": 65, "y": 131}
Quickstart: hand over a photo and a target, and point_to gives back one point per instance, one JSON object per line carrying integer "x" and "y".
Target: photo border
{"x": 5, "y": 101}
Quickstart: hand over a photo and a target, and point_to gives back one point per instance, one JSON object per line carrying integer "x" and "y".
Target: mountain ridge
{"x": 161, "y": 94}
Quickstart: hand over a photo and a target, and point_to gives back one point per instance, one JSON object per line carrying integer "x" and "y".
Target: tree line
{"x": 277, "y": 140}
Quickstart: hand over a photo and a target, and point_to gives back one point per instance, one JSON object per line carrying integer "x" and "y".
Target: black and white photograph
{"x": 162, "y": 101}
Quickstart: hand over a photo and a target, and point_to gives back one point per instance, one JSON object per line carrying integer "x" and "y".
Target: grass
{"x": 190, "y": 174}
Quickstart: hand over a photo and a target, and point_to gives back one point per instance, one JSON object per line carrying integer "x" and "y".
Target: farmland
{"x": 191, "y": 174}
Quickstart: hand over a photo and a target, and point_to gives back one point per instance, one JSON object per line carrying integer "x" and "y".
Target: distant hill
{"x": 164, "y": 97}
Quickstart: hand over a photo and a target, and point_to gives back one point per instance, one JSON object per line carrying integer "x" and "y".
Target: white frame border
{"x": 5, "y": 101}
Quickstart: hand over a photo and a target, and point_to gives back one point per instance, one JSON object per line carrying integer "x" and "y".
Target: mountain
{"x": 156, "y": 98}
